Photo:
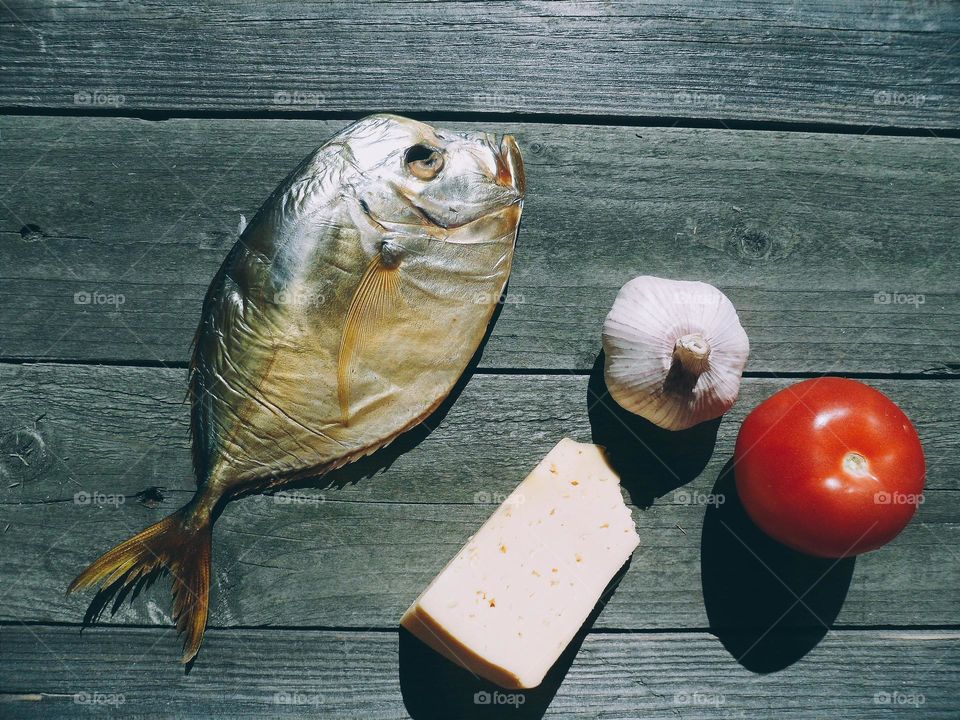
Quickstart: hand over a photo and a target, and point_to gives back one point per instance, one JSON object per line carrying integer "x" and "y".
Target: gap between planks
{"x": 949, "y": 630}
{"x": 577, "y": 372}
{"x": 630, "y": 121}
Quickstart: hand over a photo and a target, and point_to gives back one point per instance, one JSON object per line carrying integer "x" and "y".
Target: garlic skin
{"x": 675, "y": 351}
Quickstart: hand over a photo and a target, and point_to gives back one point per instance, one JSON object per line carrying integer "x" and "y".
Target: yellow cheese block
{"x": 515, "y": 595}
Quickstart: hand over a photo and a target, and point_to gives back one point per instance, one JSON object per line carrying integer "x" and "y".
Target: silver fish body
{"x": 343, "y": 316}
{"x": 279, "y": 386}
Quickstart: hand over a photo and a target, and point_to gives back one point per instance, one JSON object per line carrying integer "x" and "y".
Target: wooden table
{"x": 801, "y": 156}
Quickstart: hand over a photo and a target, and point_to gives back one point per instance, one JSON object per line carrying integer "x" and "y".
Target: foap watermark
{"x": 497, "y": 101}
{"x": 99, "y": 698}
{"x": 902, "y": 99}
{"x": 699, "y": 699}
{"x": 498, "y": 698}
{"x": 299, "y": 298}
{"x": 692, "y": 497}
{"x": 95, "y": 297}
{"x": 897, "y": 498}
{"x": 307, "y": 98}
{"x": 292, "y": 497}
{"x": 699, "y": 99}
{"x": 482, "y": 298}
{"x": 694, "y": 299}
{"x": 295, "y": 697}
{"x": 898, "y": 697}
{"x": 98, "y": 498}
{"x": 487, "y": 498}
{"x": 98, "y": 98}
{"x": 899, "y": 298}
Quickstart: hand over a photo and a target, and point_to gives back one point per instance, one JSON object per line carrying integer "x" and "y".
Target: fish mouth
{"x": 510, "y": 165}
{"x": 494, "y": 227}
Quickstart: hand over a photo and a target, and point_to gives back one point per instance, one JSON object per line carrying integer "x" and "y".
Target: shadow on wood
{"x": 651, "y": 461}
{"x": 768, "y": 604}
{"x": 434, "y": 688}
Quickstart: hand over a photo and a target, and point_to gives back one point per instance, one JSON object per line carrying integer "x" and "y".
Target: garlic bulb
{"x": 675, "y": 351}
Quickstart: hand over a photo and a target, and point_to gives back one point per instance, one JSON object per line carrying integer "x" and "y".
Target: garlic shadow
{"x": 751, "y": 585}
{"x": 651, "y": 461}
{"x": 433, "y": 688}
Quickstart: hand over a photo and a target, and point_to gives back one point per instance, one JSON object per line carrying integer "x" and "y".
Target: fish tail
{"x": 178, "y": 544}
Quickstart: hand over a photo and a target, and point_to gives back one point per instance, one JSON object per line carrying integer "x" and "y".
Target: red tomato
{"x": 830, "y": 467}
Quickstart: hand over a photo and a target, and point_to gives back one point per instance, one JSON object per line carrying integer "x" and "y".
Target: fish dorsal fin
{"x": 377, "y": 294}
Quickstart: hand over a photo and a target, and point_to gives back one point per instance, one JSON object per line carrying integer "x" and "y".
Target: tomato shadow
{"x": 651, "y": 461}
{"x": 768, "y": 604}
{"x": 433, "y": 688}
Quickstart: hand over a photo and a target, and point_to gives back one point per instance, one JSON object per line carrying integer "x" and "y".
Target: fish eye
{"x": 423, "y": 161}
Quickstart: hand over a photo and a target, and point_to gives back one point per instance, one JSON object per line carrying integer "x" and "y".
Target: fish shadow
{"x": 114, "y": 595}
{"x": 433, "y": 688}
{"x": 651, "y": 461}
{"x": 768, "y": 604}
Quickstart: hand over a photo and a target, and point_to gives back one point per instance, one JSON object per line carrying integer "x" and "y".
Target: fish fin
{"x": 379, "y": 288}
{"x": 177, "y": 544}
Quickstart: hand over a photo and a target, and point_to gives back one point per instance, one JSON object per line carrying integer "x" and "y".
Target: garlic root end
{"x": 691, "y": 357}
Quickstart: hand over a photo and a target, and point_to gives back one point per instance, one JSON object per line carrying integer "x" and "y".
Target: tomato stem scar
{"x": 855, "y": 463}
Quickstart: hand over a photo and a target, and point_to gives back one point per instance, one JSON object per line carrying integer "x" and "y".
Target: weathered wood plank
{"x": 866, "y": 63}
{"x": 357, "y": 552}
{"x": 801, "y": 230}
{"x": 56, "y": 672}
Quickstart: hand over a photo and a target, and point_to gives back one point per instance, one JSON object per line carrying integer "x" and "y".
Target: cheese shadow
{"x": 434, "y": 688}
{"x": 651, "y": 461}
{"x": 768, "y": 604}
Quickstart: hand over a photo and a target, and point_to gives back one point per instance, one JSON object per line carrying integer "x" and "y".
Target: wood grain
{"x": 79, "y": 443}
{"x": 837, "y": 247}
{"x": 808, "y": 233}
{"x": 56, "y": 672}
{"x": 866, "y": 63}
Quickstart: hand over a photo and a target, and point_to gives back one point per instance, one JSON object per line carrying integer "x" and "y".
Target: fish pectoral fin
{"x": 376, "y": 296}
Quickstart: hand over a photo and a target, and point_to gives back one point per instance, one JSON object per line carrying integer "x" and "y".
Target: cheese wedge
{"x": 516, "y": 594}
